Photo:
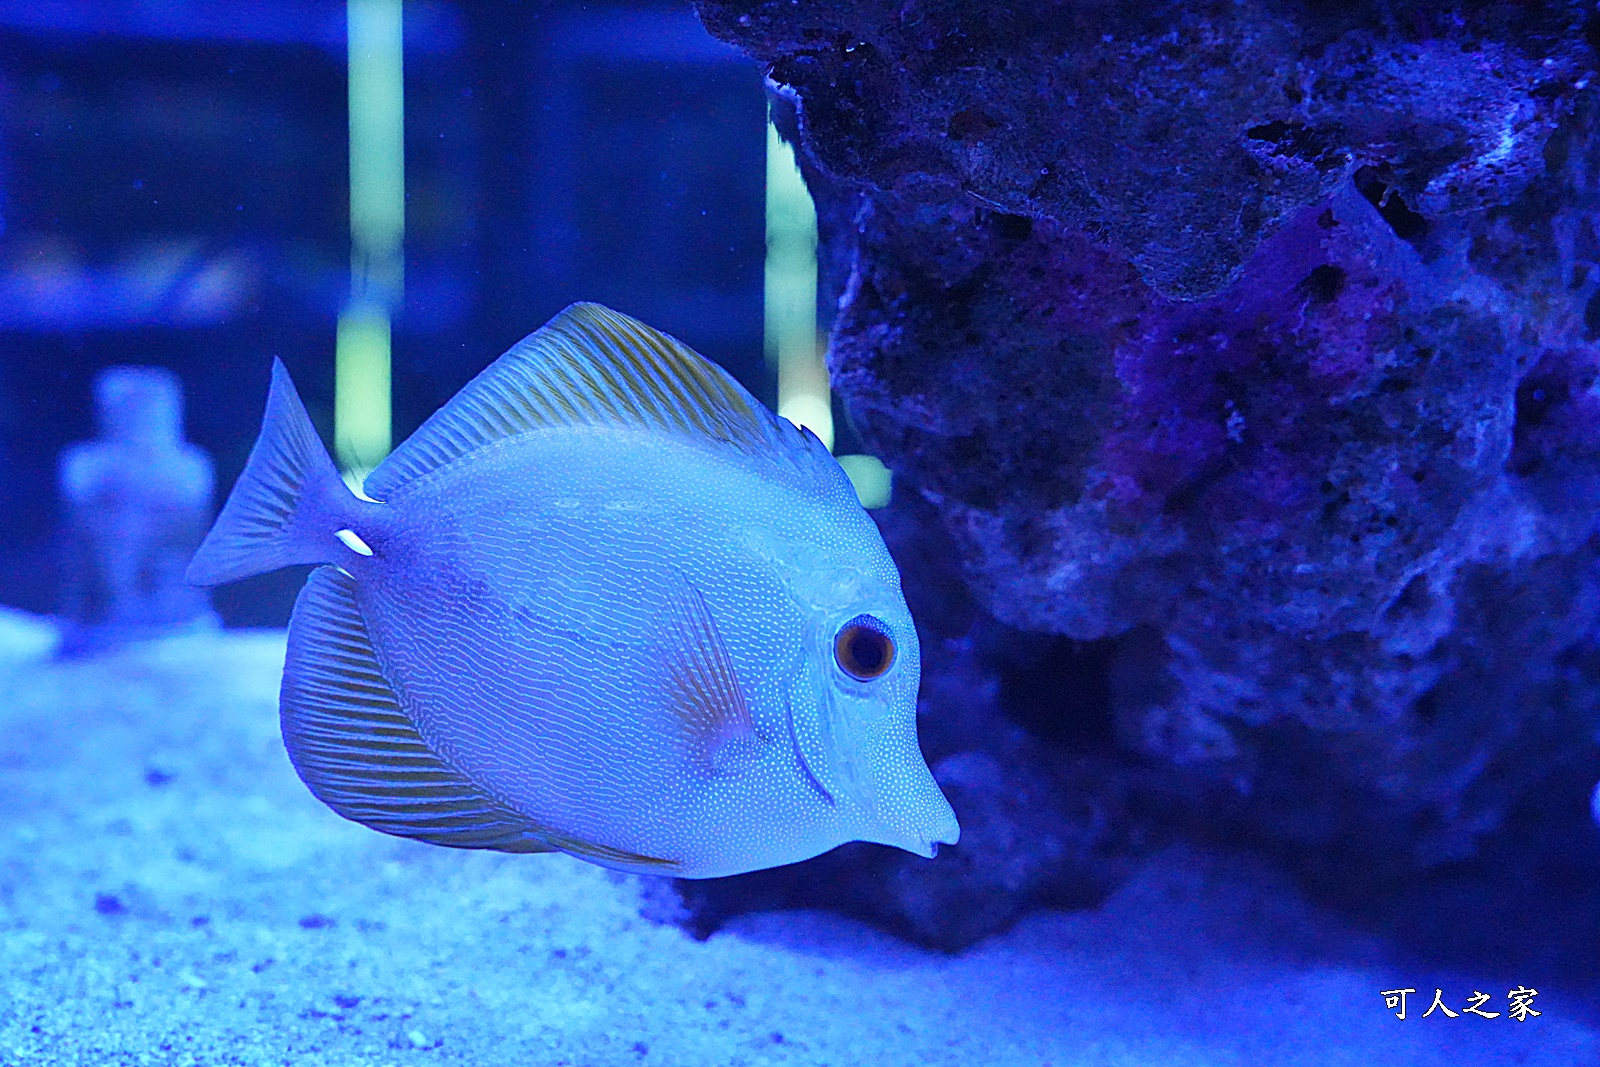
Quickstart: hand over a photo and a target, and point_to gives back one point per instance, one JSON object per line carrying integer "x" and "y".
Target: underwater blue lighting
{"x": 316, "y": 22}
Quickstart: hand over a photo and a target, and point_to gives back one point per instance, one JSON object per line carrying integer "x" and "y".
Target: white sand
{"x": 240, "y": 922}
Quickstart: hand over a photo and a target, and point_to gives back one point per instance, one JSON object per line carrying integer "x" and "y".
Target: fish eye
{"x": 863, "y": 648}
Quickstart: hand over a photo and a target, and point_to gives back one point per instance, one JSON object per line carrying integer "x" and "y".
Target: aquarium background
{"x": 176, "y": 194}
{"x": 1236, "y": 365}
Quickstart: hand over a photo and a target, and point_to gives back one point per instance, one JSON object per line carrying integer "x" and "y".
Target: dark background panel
{"x": 174, "y": 191}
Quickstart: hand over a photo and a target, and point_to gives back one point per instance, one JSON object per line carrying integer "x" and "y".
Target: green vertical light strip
{"x": 792, "y": 344}
{"x": 791, "y": 294}
{"x": 361, "y": 417}
{"x": 872, "y": 480}
{"x": 361, "y": 391}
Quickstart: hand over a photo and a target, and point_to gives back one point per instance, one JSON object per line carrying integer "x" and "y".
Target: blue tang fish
{"x": 601, "y": 602}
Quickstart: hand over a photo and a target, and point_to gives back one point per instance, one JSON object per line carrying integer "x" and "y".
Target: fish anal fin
{"x": 609, "y": 856}
{"x": 357, "y": 749}
{"x": 700, "y": 684}
{"x": 591, "y": 366}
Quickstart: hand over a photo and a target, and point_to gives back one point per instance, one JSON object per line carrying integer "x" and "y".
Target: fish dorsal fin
{"x": 593, "y": 366}
{"x": 356, "y": 748}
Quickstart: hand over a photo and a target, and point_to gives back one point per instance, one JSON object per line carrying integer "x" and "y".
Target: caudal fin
{"x": 288, "y": 505}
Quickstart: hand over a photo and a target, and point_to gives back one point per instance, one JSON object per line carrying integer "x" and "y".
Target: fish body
{"x": 607, "y": 605}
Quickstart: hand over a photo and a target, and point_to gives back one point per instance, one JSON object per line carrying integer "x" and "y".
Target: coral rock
{"x": 1255, "y": 340}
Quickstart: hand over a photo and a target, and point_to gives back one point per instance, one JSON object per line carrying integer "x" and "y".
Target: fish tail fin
{"x": 288, "y": 505}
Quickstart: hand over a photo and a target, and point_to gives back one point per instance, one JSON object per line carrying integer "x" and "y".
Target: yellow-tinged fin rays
{"x": 593, "y": 366}
{"x": 702, "y": 687}
{"x": 358, "y": 751}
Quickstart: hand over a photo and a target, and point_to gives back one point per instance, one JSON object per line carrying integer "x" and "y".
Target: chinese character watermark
{"x": 1438, "y": 1003}
{"x": 1396, "y": 998}
{"x": 1519, "y": 1004}
{"x": 1521, "y": 999}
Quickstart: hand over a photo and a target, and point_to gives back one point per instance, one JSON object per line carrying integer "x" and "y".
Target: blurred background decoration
{"x": 386, "y": 205}
{"x": 136, "y": 502}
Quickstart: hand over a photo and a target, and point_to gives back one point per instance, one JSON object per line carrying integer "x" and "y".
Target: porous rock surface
{"x": 1255, "y": 343}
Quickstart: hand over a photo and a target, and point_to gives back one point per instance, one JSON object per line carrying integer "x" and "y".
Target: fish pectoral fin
{"x": 356, "y": 748}
{"x": 591, "y": 366}
{"x": 699, "y": 681}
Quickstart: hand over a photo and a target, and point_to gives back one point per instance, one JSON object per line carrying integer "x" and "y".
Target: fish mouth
{"x": 924, "y": 843}
{"x": 948, "y": 834}
{"x": 927, "y": 848}
{"x": 881, "y": 792}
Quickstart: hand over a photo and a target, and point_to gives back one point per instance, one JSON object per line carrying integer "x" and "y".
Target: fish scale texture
{"x": 1254, "y": 345}
{"x": 171, "y": 895}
